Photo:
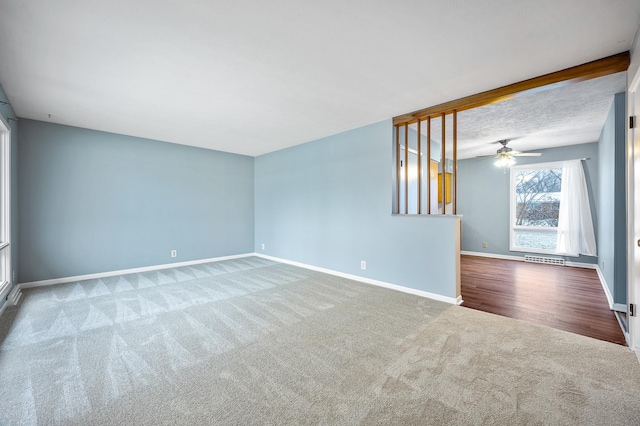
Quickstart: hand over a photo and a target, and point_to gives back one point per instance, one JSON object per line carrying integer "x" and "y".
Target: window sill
{"x": 533, "y": 250}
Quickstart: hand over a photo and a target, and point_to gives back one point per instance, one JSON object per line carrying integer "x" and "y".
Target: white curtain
{"x": 575, "y": 227}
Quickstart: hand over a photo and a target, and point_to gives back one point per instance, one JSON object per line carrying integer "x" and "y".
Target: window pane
{"x": 3, "y": 196}
{"x": 537, "y": 197}
{"x": 545, "y": 240}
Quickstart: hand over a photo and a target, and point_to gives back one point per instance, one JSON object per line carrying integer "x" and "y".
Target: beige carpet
{"x": 250, "y": 341}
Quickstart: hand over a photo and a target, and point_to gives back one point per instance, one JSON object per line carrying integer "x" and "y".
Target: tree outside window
{"x": 535, "y": 196}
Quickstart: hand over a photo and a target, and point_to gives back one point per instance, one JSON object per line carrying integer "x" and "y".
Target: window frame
{"x": 513, "y": 228}
{"x": 5, "y": 208}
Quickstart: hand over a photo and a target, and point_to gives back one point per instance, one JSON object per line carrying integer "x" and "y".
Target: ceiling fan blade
{"x": 527, "y": 154}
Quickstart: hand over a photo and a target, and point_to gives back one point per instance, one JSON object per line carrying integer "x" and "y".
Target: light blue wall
{"x": 607, "y": 199}
{"x": 92, "y": 202}
{"x": 483, "y": 198}
{"x": 327, "y": 203}
{"x": 620, "y": 281}
{"x": 8, "y": 113}
{"x": 612, "y": 230}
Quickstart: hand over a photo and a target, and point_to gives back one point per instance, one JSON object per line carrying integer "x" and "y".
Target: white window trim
{"x": 5, "y": 286}
{"x": 535, "y": 166}
{"x": 512, "y": 208}
{"x": 5, "y": 202}
{"x": 529, "y": 249}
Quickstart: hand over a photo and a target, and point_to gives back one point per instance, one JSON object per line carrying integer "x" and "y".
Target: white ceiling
{"x": 251, "y": 76}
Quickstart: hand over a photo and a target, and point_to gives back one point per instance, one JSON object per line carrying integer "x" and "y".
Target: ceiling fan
{"x": 505, "y": 154}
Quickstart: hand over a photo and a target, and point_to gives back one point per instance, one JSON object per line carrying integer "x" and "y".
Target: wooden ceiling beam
{"x": 594, "y": 69}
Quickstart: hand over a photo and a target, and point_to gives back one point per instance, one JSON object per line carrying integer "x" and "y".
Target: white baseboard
{"x": 32, "y": 284}
{"x": 492, "y": 255}
{"x": 580, "y": 264}
{"x": 619, "y": 307}
{"x": 521, "y": 259}
{"x": 605, "y": 287}
{"x": 453, "y": 301}
{"x": 624, "y": 332}
{"x": 128, "y": 271}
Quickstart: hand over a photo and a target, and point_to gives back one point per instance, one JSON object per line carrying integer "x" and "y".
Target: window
{"x": 5, "y": 188}
{"x": 535, "y": 207}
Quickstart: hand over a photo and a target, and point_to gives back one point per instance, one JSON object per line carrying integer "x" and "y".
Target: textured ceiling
{"x": 567, "y": 115}
{"x": 250, "y": 76}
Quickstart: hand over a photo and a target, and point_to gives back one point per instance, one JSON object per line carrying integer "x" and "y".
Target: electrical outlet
{"x": 262, "y": 246}
{"x": 484, "y": 245}
{"x": 363, "y": 264}
{"x": 602, "y": 265}
{"x": 174, "y": 253}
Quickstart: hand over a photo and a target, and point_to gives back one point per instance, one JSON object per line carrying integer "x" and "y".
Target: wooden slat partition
{"x": 397, "y": 169}
{"x": 443, "y": 164}
{"x": 402, "y": 171}
{"x": 428, "y": 165}
{"x": 419, "y": 146}
{"x": 406, "y": 168}
{"x": 601, "y": 67}
{"x": 455, "y": 162}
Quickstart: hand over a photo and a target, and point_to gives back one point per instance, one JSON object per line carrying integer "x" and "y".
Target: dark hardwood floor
{"x": 560, "y": 297}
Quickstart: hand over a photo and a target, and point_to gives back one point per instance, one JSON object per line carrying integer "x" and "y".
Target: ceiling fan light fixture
{"x": 505, "y": 161}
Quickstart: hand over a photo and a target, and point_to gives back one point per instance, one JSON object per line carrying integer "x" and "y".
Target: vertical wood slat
{"x": 406, "y": 168}
{"x": 397, "y": 169}
{"x": 419, "y": 146}
{"x": 428, "y": 165}
{"x": 455, "y": 162}
{"x": 443, "y": 162}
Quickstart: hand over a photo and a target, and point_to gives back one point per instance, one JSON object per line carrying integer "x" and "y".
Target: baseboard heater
{"x": 546, "y": 260}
